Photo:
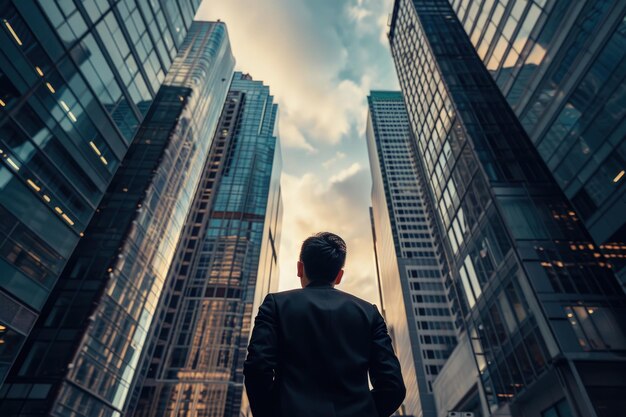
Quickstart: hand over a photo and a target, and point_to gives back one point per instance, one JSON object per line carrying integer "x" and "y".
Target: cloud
{"x": 320, "y": 59}
{"x": 291, "y": 136}
{"x": 346, "y": 173}
{"x": 300, "y": 48}
{"x": 382, "y": 23}
{"x": 357, "y": 12}
{"x": 296, "y": 54}
{"x": 332, "y": 161}
{"x": 371, "y": 17}
{"x": 313, "y": 206}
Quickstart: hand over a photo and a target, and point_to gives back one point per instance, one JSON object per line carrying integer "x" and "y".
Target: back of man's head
{"x": 323, "y": 256}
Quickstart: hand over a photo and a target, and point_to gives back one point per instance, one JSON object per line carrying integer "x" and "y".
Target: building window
{"x": 10, "y": 343}
{"x": 596, "y": 328}
{"x": 560, "y": 409}
{"x": 523, "y": 219}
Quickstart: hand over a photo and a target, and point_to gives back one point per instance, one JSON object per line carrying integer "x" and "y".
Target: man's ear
{"x": 339, "y": 276}
{"x": 300, "y": 269}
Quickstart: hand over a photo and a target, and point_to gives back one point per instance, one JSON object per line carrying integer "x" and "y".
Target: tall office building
{"x": 226, "y": 263}
{"x": 81, "y": 358}
{"x": 75, "y": 82}
{"x": 562, "y": 67}
{"x": 544, "y": 314}
{"x": 411, "y": 269}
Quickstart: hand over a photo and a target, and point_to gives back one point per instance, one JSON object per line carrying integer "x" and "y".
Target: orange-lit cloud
{"x": 341, "y": 207}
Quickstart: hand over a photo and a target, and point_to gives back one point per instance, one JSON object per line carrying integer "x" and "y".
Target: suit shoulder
{"x": 357, "y": 300}
{"x": 281, "y": 295}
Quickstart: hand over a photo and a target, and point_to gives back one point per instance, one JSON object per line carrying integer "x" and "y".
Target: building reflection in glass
{"x": 82, "y": 356}
{"x": 225, "y": 264}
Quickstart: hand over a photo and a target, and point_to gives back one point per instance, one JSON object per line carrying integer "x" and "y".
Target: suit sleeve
{"x": 388, "y": 386}
{"x": 261, "y": 362}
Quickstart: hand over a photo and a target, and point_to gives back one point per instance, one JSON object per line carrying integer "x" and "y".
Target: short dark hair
{"x": 323, "y": 256}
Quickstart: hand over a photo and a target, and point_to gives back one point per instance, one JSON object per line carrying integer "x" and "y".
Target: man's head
{"x": 322, "y": 258}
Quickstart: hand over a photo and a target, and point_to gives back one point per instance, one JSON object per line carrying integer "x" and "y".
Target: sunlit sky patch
{"x": 320, "y": 58}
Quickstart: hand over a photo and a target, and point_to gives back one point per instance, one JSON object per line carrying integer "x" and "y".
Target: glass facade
{"x": 76, "y": 80}
{"x": 226, "y": 263}
{"x": 562, "y": 67}
{"x": 409, "y": 263}
{"x": 528, "y": 276}
{"x": 81, "y": 358}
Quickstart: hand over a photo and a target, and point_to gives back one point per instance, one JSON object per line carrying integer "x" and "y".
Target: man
{"x": 312, "y": 349}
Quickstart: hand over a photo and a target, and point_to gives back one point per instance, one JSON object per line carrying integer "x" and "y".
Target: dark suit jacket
{"x": 310, "y": 354}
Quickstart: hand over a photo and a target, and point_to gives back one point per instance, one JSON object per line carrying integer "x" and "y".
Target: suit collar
{"x": 319, "y": 284}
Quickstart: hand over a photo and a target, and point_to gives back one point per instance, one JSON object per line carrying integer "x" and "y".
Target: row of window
{"x": 435, "y": 325}
{"x": 437, "y": 340}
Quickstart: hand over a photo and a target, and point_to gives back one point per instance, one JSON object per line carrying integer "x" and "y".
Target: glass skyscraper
{"x": 562, "y": 66}
{"x": 411, "y": 268}
{"x": 82, "y": 356}
{"x": 543, "y": 313}
{"x": 226, "y": 263}
{"x": 76, "y": 80}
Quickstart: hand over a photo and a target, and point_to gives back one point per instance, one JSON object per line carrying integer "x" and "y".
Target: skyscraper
{"x": 82, "y": 356}
{"x": 226, "y": 263}
{"x": 543, "y": 313}
{"x": 76, "y": 80}
{"x": 411, "y": 269}
{"x": 562, "y": 67}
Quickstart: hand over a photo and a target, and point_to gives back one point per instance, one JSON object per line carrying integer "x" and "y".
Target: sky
{"x": 320, "y": 58}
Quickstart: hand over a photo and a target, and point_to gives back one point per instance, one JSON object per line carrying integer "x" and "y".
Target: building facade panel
{"x": 562, "y": 67}
{"x": 530, "y": 279}
{"x": 226, "y": 263}
{"x": 77, "y": 78}
{"x": 408, "y": 258}
{"x": 82, "y": 356}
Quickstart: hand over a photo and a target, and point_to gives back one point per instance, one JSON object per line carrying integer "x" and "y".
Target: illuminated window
{"x": 596, "y": 328}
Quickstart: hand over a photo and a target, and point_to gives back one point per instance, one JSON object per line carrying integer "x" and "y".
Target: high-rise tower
{"x": 225, "y": 264}
{"x": 562, "y": 67}
{"x": 410, "y": 265}
{"x": 76, "y": 80}
{"x": 544, "y": 314}
{"x": 81, "y": 359}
